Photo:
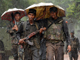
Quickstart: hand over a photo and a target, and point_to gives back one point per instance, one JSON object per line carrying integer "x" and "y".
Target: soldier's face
{"x": 72, "y": 34}
{"x": 17, "y": 17}
{"x": 31, "y": 16}
{"x": 53, "y": 14}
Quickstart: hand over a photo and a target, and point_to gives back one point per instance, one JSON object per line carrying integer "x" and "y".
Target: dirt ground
{"x": 66, "y": 57}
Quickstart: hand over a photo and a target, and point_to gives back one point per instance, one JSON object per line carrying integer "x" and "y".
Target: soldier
{"x": 12, "y": 30}
{"x": 56, "y": 33}
{"x": 74, "y": 47}
{"x": 2, "y": 55}
{"x": 29, "y": 27}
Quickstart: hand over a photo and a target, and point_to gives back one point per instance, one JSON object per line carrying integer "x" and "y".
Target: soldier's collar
{"x": 58, "y": 20}
{"x": 29, "y": 23}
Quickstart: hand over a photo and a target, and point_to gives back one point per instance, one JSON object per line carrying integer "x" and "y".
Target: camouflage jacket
{"x": 64, "y": 27}
{"x": 74, "y": 43}
{"x": 26, "y": 29}
{"x": 13, "y": 32}
{"x": 9, "y": 27}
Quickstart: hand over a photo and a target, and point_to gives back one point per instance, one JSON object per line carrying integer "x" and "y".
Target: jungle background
{"x": 72, "y": 10}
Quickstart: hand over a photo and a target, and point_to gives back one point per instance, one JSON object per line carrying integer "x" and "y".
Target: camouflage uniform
{"x": 14, "y": 39}
{"x": 74, "y": 48}
{"x": 2, "y": 55}
{"x": 31, "y": 51}
{"x": 54, "y": 36}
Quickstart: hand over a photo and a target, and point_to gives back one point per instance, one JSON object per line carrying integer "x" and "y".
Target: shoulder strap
{"x": 56, "y": 22}
{"x": 36, "y": 25}
{"x": 24, "y": 25}
{"x": 50, "y": 25}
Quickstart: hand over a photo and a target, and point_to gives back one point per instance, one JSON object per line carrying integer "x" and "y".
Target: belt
{"x": 53, "y": 41}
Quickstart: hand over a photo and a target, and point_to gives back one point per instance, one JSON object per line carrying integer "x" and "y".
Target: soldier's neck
{"x": 72, "y": 36}
{"x": 55, "y": 18}
{"x": 17, "y": 20}
{"x": 31, "y": 22}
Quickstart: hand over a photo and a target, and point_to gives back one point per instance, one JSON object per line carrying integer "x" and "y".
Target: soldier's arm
{"x": 67, "y": 37}
{"x": 66, "y": 33}
{"x": 9, "y": 29}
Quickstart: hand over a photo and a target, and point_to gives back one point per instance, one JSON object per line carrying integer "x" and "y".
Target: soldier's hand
{"x": 69, "y": 48}
{"x": 16, "y": 27}
{"x": 42, "y": 29}
{"x": 21, "y": 41}
{"x": 13, "y": 28}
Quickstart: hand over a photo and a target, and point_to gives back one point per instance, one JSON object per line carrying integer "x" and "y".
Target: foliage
{"x": 71, "y": 6}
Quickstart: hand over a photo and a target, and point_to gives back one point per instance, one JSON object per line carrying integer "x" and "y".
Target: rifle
{"x": 29, "y": 36}
{"x": 34, "y": 33}
{"x": 12, "y": 15}
{"x": 14, "y": 31}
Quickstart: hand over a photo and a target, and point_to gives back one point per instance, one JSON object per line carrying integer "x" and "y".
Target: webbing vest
{"x": 14, "y": 37}
{"x": 25, "y": 25}
{"x": 26, "y": 32}
{"x": 54, "y": 32}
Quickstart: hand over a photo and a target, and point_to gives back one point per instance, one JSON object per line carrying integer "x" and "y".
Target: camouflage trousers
{"x": 20, "y": 53}
{"x": 35, "y": 53}
{"x": 73, "y": 55}
{"x": 54, "y": 51}
{"x": 27, "y": 54}
{"x": 32, "y": 53}
{"x": 15, "y": 51}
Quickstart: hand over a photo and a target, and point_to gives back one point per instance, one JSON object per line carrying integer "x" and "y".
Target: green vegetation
{"x": 72, "y": 8}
